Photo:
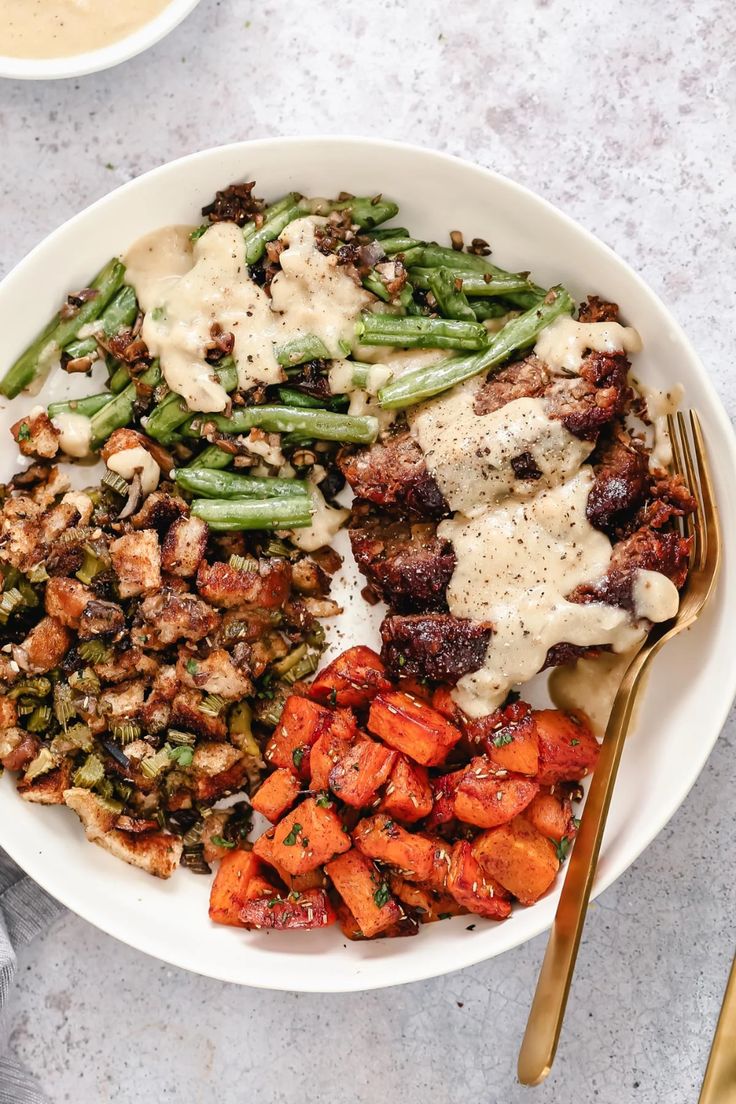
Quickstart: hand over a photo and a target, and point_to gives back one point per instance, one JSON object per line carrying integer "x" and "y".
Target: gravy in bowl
{"x": 62, "y": 28}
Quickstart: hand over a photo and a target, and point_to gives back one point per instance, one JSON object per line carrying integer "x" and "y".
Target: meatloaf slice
{"x": 406, "y": 563}
{"x": 621, "y": 483}
{"x": 392, "y": 473}
{"x": 437, "y": 646}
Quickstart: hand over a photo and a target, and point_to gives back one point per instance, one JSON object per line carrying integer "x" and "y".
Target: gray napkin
{"x": 25, "y": 910}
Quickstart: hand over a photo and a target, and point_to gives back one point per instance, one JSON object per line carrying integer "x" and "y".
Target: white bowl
{"x": 77, "y": 65}
{"x": 693, "y": 681}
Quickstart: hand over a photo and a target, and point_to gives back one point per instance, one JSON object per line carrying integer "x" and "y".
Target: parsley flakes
{"x": 290, "y": 840}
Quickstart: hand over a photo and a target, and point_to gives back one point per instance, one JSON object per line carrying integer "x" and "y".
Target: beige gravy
{"x": 62, "y": 28}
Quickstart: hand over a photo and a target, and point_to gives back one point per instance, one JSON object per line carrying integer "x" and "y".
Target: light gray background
{"x": 624, "y": 117}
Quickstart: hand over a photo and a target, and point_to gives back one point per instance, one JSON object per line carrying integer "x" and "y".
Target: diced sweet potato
{"x": 308, "y": 836}
{"x": 440, "y": 864}
{"x": 427, "y": 903}
{"x": 519, "y": 857}
{"x": 568, "y": 750}
{"x": 364, "y": 891}
{"x": 412, "y": 726}
{"x": 444, "y": 703}
{"x": 359, "y": 774}
{"x": 408, "y": 795}
{"x": 229, "y": 889}
{"x": 408, "y": 684}
{"x": 260, "y": 886}
{"x": 381, "y": 838}
{"x": 443, "y": 789}
{"x": 509, "y": 738}
{"x": 550, "y": 816}
{"x": 277, "y": 794}
{"x": 485, "y": 799}
{"x": 302, "y": 723}
{"x": 311, "y": 909}
{"x": 471, "y": 887}
{"x": 353, "y": 679}
{"x": 330, "y": 747}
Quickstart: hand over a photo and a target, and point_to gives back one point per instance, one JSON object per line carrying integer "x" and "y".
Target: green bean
{"x": 224, "y": 484}
{"x": 417, "y": 332}
{"x": 211, "y": 458}
{"x": 119, "y": 379}
{"x": 60, "y": 331}
{"x": 288, "y": 396}
{"x": 275, "y": 219}
{"x": 400, "y": 243}
{"x": 88, "y": 405}
{"x": 268, "y": 513}
{"x": 452, "y": 302}
{"x": 365, "y": 211}
{"x": 322, "y": 425}
{"x": 489, "y": 308}
{"x": 171, "y": 413}
{"x": 476, "y": 284}
{"x": 302, "y": 349}
{"x": 118, "y": 315}
{"x": 119, "y": 411}
{"x": 388, "y": 232}
{"x": 519, "y": 333}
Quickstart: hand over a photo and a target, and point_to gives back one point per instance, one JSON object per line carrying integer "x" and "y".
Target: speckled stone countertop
{"x": 624, "y": 117}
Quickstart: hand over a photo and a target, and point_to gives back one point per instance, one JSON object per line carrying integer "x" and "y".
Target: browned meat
{"x": 436, "y": 646}
{"x": 621, "y": 481}
{"x": 392, "y": 473}
{"x": 267, "y": 587}
{"x": 405, "y": 562}
{"x": 526, "y": 379}
{"x": 587, "y": 402}
{"x": 647, "y": 549}
{"x": 598, "y": 310}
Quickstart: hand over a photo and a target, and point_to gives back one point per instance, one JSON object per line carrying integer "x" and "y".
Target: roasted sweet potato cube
{"x": 260, "y": 886}
{"x": 365, "y": 892}
{"x": 440, "y": 864}
{"x": 331, "y": 746}
{"x": 277, "y": 794}
{"x": 508, "y": 737}
{"x": 409, "y": 725}
{"x": 348, "y": 924}
{"x": 382, "y": 838}
{"x": 471, "y": 887}
{"x": 306, "y": 838}
{"x": 550, "y": 816}
{"x": 408, "y": 795}
{"x": 568, "y": 750}
{"x": 359, "y": 774}
{"x": 519, "y": 857}
{"x": 427, "y": 903}
{"x": 408, "y": 684}
{"x": 444, "y": 703}
{"x": 485, "y": 799}
{"x": 230, "y": 886}
{"x": 311, "y": 909}
{"x": 302, "y": 723}
{"x": 353, "y": 679}
{"x": 443, "y": 790}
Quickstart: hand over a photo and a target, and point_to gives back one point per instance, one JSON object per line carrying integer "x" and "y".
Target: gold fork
{"x": 550, "y": 999}
{"x": 719, "y": 1084}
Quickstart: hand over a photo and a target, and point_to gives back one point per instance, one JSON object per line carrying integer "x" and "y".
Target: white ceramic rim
{"x": 429, "y": 965}
{"x": 79, "y": 65}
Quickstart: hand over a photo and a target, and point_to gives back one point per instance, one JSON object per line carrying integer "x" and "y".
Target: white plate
{"x": 693, "y": 681}
{"x": 92, "y": 61}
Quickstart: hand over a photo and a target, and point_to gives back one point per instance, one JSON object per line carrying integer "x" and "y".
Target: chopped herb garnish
{"x": 575, "y": 822}
{"x": 332, "y": 699}
{"x": 574, "y": 743}
{"x": 323, "y": 800}
{"x": 273, "y": 901}
{"x": 24, "y": 432}
{"x": 191, "y": 666}
{"x": 291, "y": 839}
{"x": 502, "y": 739}
{"x": 220, "y": 842}
{"x": 563, "y": 848}
{"x": 296, "y": 757}
{"x": 382, "y": 895}
{"x": 444, "y": 915}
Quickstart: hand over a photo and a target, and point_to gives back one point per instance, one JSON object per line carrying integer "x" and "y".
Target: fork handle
{"x": 553, "y": 986}
{"x": 719, "y": 1084}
